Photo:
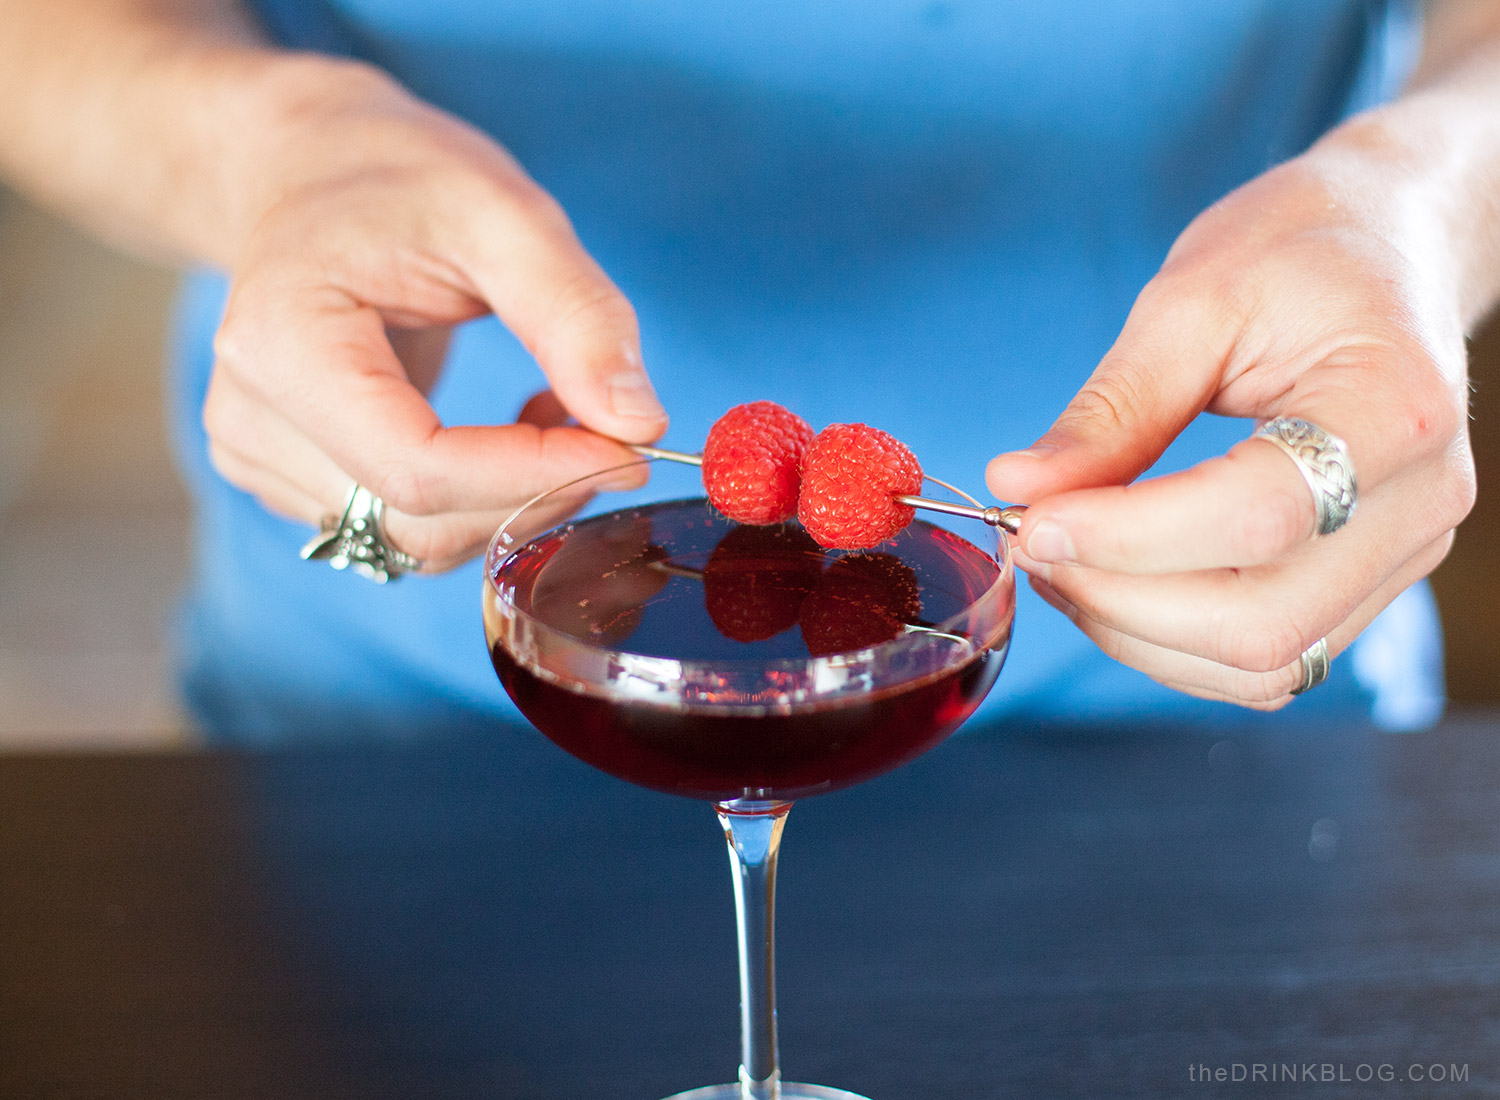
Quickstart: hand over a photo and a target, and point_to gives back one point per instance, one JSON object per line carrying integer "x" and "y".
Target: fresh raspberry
{"x": 849, "y": 474}
{"x": 756, "y": 579}
{"x": 751, "y": 461}
{"x": 863, "y": 600}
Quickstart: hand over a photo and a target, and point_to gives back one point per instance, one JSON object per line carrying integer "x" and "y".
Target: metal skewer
{"x": 661, "y": 452}
{"x": 1008, "y": 519}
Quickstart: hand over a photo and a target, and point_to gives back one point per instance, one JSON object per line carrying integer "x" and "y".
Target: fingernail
{"x": 631, "y": 395}
{"x": 1049, "y": 542}
{"x": 1039, "y": 450}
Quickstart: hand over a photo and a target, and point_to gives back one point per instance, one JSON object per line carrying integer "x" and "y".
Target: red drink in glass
{"x": 747, "y": 666}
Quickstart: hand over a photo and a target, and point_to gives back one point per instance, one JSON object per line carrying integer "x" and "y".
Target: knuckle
{"x": 224, "y": 424}
{"x": 422, "y": 540}
{"x": 1277, "y": 524}
{"x": 1457, "y": 490}
{"x": 1263, "y": 689}
{"x": 223, "y": 462}
{"x": 406, "y": 489}
{"x": 234, "y": 345}
{"x": 1260, "y": 641}
{"x": 1196, "y": 301}
{"x": 216, "y": 420}
{"x": 537, "y": 206}
{"x": 440, "y": 543}
{"x": 1437, "y": 551}
{"x": 515, "y": 209}
{"x": 1466, "y": 496}
{"x": 1111, "y": 396}
{"x": 239, "y": 355}
{"x": 229, "y": 343}
{"x": 1428, "y": 418}
{"x": 588, "y": 302}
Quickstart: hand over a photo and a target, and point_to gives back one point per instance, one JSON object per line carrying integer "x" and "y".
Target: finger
{"x": 262, "y": 452}
{"x": 1212, "y": 680}
{"x": 1246, "y": 508}
{"x": 274, "y": 492}
{"x": 1259, "y": 618}
{"x": 531, "y": 268}
{"x": 328, "y": 367}
{"x": 1249, "y": 507}
{"x": 440, "y": 542}
{"x": 1160, "y": 373}
{"x": 1183, "y": 672}
{"x": 544, "y": 410}
{"x": 447, "y": 540}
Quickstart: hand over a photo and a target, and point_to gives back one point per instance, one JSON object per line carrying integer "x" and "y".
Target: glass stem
{"x": 753, "y": 829}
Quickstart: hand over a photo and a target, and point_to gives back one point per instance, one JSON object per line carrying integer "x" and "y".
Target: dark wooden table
{"x": 1042, "y": 914}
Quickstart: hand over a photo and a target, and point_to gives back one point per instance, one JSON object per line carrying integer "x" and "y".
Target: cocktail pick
{"x": 1008, "y": 519}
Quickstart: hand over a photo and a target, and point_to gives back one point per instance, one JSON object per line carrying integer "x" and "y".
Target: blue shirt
{"x": 930, "y": 216}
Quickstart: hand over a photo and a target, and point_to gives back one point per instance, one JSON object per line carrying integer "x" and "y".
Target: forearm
{"x": 155, "y": 122}
{"x": 1439, "y": 145}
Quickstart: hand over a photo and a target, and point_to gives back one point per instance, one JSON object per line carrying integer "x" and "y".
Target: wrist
{"x": 276, "y": 121}
{"x": 1426, "y": 170}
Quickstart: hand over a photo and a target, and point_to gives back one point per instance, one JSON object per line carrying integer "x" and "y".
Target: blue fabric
{"x": 931, "y": 216}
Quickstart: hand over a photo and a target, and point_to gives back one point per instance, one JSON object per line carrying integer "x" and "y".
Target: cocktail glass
{"x": 597, "y": 630}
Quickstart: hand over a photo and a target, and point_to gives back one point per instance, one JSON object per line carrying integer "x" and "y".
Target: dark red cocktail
{"x": 676, "y": 582}
{"x": 744, "y": 665}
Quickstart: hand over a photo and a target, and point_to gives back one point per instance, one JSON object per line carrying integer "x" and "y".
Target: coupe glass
{"x": 750, "y": 716}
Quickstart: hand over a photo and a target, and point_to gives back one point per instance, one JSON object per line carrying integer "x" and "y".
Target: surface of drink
{"x": 671, "y": 647}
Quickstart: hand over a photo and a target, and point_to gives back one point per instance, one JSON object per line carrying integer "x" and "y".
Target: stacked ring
{"x": 1324, "y": 463}
{"x": 1315, "y": 665}
{"x": 357, "y": 539}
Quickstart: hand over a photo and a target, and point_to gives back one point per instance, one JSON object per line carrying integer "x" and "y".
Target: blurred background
{"x": 94, "y": 523}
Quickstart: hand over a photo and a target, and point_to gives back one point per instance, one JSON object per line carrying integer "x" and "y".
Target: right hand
{"x": 380, "y": 224}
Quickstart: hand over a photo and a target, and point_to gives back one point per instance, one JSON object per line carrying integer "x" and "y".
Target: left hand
{"x": 1319, "y": 290}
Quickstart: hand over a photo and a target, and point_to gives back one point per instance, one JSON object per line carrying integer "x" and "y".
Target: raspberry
{"x": 863, "y": 600}
{"x": 756, "y": 579}
{"x": 751, "y": 461}
{"x": 849, "y": 474}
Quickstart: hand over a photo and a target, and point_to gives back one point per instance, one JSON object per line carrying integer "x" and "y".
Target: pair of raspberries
{"x": 762, "y": 464}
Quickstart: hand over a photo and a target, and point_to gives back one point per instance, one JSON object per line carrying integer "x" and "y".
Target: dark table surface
{"x": 1043, "y": 914}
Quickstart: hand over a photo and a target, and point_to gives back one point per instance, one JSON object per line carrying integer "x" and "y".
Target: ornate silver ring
{"x": 357, "y": 539}
{"x": 1315, "y": 666}
{"x": 1323, "y": 461}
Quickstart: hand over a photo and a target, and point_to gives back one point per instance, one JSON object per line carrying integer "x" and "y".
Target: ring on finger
{"x": 1315, "y": 663}
{"x": 357, "y": 539}
{"x": 1323, "y": 461}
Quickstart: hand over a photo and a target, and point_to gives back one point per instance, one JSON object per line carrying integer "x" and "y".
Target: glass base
{"x": 789, "y": 1091}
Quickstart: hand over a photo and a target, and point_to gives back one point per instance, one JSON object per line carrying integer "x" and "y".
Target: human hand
{"x": 379, "y": 224}
{"x": 1322, "y": 290}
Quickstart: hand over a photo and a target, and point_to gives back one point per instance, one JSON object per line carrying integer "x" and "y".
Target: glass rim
{"x": 496, "y": 553}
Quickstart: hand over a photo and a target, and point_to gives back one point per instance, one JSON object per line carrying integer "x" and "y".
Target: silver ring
{"x": 1323, "y": 461}
{"x": 1315, "y": 665}
{"x": 357, "y": 539}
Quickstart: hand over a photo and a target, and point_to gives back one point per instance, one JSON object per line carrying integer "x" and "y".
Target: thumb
{"x": 582, "y": 330}
{"x": 1160, "y": 374}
